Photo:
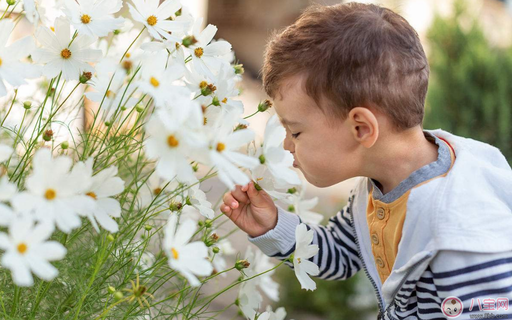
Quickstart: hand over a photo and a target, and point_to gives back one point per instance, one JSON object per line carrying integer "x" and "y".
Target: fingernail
{"x": 233, "y": 205}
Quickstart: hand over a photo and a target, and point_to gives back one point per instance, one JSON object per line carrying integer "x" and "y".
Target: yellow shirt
{"x": 385, "y": 222}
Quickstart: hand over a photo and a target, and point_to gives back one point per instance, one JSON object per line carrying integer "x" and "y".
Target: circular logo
{"x": 452, "y": 307}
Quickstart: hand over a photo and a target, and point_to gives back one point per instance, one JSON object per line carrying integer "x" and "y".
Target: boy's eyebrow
{"x": 288, "y": 122}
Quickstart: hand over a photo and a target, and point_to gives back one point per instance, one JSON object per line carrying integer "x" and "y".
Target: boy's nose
{"x": 288, "y": 144}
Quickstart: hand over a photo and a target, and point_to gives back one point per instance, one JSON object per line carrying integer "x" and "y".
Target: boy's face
{"x": 325, "y": 155}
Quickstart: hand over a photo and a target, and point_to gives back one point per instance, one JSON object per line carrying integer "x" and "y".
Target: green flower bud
{"x": 64, "y": 145}
{"x": 188, "y": 41}
{"x": 110, "y": 238}
{"x": 175, "y": 206}
{"x": 239, "y": 68}
{"x": 11, "y": 2}
{"x": 215, "y": 101}
{"x": 208, "y": 223}
{"x": 211, "y": 240}
{"x": 47, "y": 135}
{"x": 27, "y": 104}
{"x": 216, "y": 250}
{"x": 148, "y": 227}
{"x": 118, "y": 295}
{"x": 187, "y": 201}
{"x": 86, "y": 76}
{"x": 242, "y": 264}
{"x": 123, "y": 108}
{"x": 111, "y": 289}
{"x": 108, "y": 123}
{"x": 264, "y": 106}
{"x": 262, "y": 159}
{"x": 139, "y": 108}
{"x": 237, "y": 302}
{"x": 200, "y": 223}
{"x": 116, "y": 32}
{"x": 291, "y": 208}
{"x": 178, "y": 13}
{"x": 292, "y": 190}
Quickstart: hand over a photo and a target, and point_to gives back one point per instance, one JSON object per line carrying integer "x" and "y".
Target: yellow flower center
{"x": 50, "y": 194}
{"x": 92, "y": 195}
{"x": 22, "y": 248}
{"x": 53, "y": 29}
{"x": 220, "y": 146}
{"x": 128, "y": 55}
{"x": 205, "y": 121}
{"x": 225, "y": 100}
{"x": 203, "y": 84}
{"x": 154, "y": 82}
{"x": 85, "y": 19}
{"x": 152, "y": 20}
{"x": 199, "y": 52}
{"x": 0, "y": 61}
{"x": 175, "y": 254}
{"x": 172, "y": 141}
{"x": 110, "y": 94}
{"x": 298, "y": 260}
{"x": 157, "y": 191}
{"x": 66, "y": 54}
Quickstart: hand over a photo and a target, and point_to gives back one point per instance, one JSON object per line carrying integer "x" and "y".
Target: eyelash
{"x": 295, "y": 135}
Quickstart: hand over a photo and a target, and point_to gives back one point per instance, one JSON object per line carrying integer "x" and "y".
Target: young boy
{"x": 430, "y": 219}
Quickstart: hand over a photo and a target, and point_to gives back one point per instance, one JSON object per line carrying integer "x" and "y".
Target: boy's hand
{"x": 251, "y": 210}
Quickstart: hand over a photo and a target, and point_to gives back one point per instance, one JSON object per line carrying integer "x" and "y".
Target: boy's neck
{"x": 399, "y": 156}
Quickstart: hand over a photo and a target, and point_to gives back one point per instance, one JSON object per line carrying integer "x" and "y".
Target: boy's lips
{"x": 295, "y": 165}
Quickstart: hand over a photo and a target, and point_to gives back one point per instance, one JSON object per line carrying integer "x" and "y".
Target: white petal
{"x": 51, "y": 250}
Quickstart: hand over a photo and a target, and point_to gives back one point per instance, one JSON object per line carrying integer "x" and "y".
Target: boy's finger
{"x": 225, "y": 209}
{"x": 230, "y": 201}
{"x": 240, "y": 195}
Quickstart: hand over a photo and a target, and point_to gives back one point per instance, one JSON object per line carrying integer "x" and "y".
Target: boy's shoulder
{"x": 470, "y": 208}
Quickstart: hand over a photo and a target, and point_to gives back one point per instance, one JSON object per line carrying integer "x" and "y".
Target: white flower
{"x": 303, "y": 207}
{"x": 207, "y": 56}
{"x": 100, "y": 187}
{"x": 28, "y": 251}
{"x": 12, "y": 70}
{"x": 109, "y": 85}
{"x": 52, "y": 194}
{"x": 279, "y": 314}
{"x": 157, "y": 79}
{"x": 154, "y": 17}
{"x": 219, "y": 262}
{"x": 173, "y": 135}
{"x": 303, "y": 251}
{"x": 262, "y": 175}
{"x": 6, "y": 215}
{"x": 94, "y": 17}
{"x": 190, "y": 259}
{"x": 259, "y": 264}
{"x": 42, "y": 11}
{"x": 222, "y": 152}
{"x": 153, "y": 187}
{"x": 198, "y": 200}
{"x": 273, "y": 155}
{"x": 7, "y": 189}
{"x": 249, "y": 298}
{"x": 59, "y": 56}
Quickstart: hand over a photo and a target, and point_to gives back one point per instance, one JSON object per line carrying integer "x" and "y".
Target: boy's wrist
{"x": 273, "y": 224}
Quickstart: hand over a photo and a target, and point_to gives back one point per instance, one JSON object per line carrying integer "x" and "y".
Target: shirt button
{"x": 381, "y": 213}
{"x": 379, "y": 262}
{"x": 375, "y": 239}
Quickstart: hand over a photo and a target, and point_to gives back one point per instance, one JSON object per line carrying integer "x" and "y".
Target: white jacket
{"x": 456, "y": 239}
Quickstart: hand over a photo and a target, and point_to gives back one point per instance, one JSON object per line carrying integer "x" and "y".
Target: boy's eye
{"x": 295, "y": 135}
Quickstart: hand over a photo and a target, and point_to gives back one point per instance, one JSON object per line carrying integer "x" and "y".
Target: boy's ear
{"x": 364, "y": 126}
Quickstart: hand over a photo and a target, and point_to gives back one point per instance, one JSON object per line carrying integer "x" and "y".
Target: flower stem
{"x": 131, "y": 44}
{"x": 9, "y": 111}
{"x": 251, "y": 115}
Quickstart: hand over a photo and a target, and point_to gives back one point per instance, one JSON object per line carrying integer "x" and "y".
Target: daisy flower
{"x": 101, "y": 188}
{"x": 155, "y": 17}
{"x": 52, "y": 194}
{"x": 173, "y": 134}
{"x": 12, "y": 71}
{"x": 223, "y": 154}
{"x": 273, "y": 155}
{"x": 157, "y": 80}
{"x": 7, "y": 189}
{"x": 58, "y": 55}
{"x": 297, "y": 204}
{"x": 40, "y": 11}
{"x": 279, "y": 314}
{"x": 27, "y": 251}
{"x": 190, "y": 259}
{"x": 94, "y": 17}
{"x": 303, "y": 251}
{"x": 207, "y": 56}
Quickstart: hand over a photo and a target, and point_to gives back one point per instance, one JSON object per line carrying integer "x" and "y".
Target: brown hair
{"x": 353, "y": 55}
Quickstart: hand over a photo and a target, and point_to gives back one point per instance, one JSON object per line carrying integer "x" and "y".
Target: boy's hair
{"x": 353, "y": 54}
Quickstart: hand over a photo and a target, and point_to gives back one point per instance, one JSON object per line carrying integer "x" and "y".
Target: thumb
{"x": 255, "y": 196}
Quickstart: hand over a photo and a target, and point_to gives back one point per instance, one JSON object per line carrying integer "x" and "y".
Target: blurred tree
{"x": 470, "y": 91}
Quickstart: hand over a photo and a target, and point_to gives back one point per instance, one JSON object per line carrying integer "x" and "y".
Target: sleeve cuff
{"x": 281, "y": 238}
